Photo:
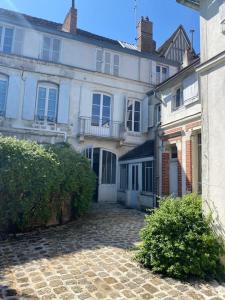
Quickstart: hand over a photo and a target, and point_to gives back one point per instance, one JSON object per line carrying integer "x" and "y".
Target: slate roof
{"x": 165, "y": 46}
{"x": 143, "y": 151}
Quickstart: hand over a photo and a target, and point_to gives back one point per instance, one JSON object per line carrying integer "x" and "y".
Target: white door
{"x": 173, "y": 179}
{"x": 135, "y": 185}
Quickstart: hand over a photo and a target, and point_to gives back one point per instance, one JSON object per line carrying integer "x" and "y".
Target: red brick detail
{"x": 165, "y": 173}
{"x": 173, "y": 131}
{"x": 179, "y": 172}
{"x": 193, "y": 125}
{"x": 189, "y": 166}
{"x": 70, "y": 22}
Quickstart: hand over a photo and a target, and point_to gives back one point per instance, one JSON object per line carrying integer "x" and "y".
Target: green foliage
{"x": 36, "y": 180}
{"x": 28, "y": 177}
{"x": 178, "y": 241}
{"x": 77, "y": 179}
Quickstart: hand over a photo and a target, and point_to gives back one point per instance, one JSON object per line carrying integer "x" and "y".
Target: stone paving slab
{"x": 89, "y": 259}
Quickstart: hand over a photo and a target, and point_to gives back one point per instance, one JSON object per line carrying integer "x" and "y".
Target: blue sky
{"x": 114, "y": 18}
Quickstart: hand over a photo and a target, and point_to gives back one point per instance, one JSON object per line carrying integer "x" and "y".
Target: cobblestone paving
{"x": 89, "y": 259}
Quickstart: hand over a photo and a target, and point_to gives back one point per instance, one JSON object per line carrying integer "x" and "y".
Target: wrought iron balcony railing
{"x": 100, "y": 128}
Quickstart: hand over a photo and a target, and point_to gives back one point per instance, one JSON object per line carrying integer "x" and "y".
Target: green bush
{"x": 178, "y": 241}
{"x": 28, "y": 177}
{"x": 77, "y": 179}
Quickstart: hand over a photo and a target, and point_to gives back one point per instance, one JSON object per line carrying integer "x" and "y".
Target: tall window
{"x": 178, "y": 99}
{"x": 3, "y": 93}
{"x": 107, "y": 62}
{"x": 134, "y": 115}
{"x": 101, "y": 110}
{"x": 47, "y": 102}
{"x": 6, "y": 39}
{"x": 158, "y": 113}
{"x": 147, "y": 176}
{"x": 124, "y": 177}
{"x": 162, "y": 73}
{"x": 108, "y": 168}
{"x": 51, "y": 49}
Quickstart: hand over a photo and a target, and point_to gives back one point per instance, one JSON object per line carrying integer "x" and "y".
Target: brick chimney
{"x": 145, "y": 36}
{"x": 70, "y": 22}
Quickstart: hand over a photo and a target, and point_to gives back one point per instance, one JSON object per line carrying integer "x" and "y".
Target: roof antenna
{"x": 135, "y": 16}
{"x": 192, "y": 31}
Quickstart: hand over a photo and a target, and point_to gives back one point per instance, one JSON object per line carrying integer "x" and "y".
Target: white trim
{"x": 137, "y": 160}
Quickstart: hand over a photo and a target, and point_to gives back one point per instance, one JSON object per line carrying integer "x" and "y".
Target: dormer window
{"x": 51, "y": 49}
{"x": 162, "y": 73}
{"x": 6, "y": 39}
{"x": 107, "y": 62}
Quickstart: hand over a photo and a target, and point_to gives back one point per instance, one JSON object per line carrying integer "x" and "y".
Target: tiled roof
{"x": 142, "y": 151}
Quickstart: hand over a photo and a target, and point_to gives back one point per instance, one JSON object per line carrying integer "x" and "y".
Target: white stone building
{"x": 59, "y": 83}
{"x": 212, "y": 92}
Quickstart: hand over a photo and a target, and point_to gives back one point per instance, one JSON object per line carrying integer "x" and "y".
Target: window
{"x": 162, "y": 73}
{"x": 147, "y": 176}
{"x": 6, "y": 39}
{"x": 158, "y": 114}
{"x": 101, "y": 110}
{"x": 108, "y": 168}
{"x": 199, "y": 163}
{"x": 47, "y": 102}
{"x": 51, "y": 49}
{"x": 173, "y": 151}
{"x": 124, "y": 177}
{"x": 134, "y": 115}
{"x": 107, "y": 62}
{"x": 3, "y": 94}
{"x": 178, "y": 99}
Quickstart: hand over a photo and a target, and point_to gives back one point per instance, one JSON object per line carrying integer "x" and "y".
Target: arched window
{"x": 47, "y": 102}
{"x": 3, "y": 93}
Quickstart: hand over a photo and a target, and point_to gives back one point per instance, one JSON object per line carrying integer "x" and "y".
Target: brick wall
{"x": 189, "y": 166}
{"x": 179, "y": 172}
{"x": 165, "y": 173}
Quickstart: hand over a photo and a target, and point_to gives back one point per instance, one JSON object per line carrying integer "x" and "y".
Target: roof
{"x": 189, "y": 68}
{"x": 142, "y": 151}
{"x": 81, "y": 35}
{"x": 190, "y": 3}
{"x": 165, "y": 46}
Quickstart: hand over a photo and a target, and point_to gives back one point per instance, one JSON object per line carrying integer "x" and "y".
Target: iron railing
{"x": 100, "y": 128}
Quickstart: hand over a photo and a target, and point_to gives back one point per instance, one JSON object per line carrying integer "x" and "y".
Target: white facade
{"x": 52, "y": 79}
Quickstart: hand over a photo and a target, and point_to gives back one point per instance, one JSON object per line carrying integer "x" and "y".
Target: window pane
{"x": 158, "y": 74}
{"x": 46, "y": 48}
{"x": 3, "y": 91}
{"x": 137, "y": 126}
{"x": 137, "y": 116}
{"x": 137, "y": 106}
{"x": 108, "y": 168}
{"x": 95, "y": 110}
{"x": 106, "y": 100}
{"x": 124, "y": 177}
{"x": 164, "y": 73}
{"x": 52, "y": 105}
{"x": 129, "y": 125}
{"x": 56, "y": 50}
{"x": 41, "y": 103}
{"x": 105, "y": 122}
{"x": 178, "y": 96}
{"x": 95, "y": 117}
{"x": 147, "y": 176}
{"x": 96, "y": 99}
{"x": 95, "y": 120}
{"x": 8, "y": 39}
{"x": 1, "y": 29}
{"x": 105, "y": 112}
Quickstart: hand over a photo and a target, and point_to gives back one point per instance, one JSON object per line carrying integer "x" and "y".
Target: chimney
{"x": 70, "y": 22}
{"x": 145, "y": 35}
{"x": 187, "y": 58}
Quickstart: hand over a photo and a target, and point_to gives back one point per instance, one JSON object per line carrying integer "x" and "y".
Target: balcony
{"x": 103, "y": 129}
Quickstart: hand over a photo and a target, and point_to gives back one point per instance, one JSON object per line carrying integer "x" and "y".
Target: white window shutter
{"x": 151, "y": 120}
{"x": 107, "y": 62}
{"x": 29, "y": 99}
{"x": 18, "y": 41}
{"x": 116, "y": 64}
{"x": 99, "y": 60}
{"x": 145, "y": 115}
{"x": 13, "y": 98}
{"x": 125, "y": 111}
{"x": 64, "y": 103}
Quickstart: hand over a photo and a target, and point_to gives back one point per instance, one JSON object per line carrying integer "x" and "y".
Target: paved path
{"x": 89, "y": 259}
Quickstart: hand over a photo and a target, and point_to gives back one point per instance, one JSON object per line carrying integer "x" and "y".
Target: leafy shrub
{"x": 77, "y": 179}
{"x": 178, "y": 241}
{"x": 28, "y": 177}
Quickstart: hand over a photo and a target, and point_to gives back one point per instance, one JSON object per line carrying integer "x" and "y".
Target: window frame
{"x": 51, "y": 50}
{"x": 144, "y": 177}
{"x": 106, "y": 62}
{"x": 176, "y": 107}
{"x": 112, "y": 168}
{"x": 101, "y": 105}
{"x": 48, "y": 86}
{"x": 133, "y": 115}
{"x": 2, "y": 39}
{"x": 124, "y": 177}
{"x": 4, "y": 77}
{"x": 161, "y": 79}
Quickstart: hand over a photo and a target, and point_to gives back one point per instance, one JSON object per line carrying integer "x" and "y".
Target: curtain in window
{"x": 108, "y": 168}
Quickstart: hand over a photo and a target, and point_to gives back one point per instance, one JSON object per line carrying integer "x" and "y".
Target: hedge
{"x": 178, "y": 241}
{"x": 35, "y": 180}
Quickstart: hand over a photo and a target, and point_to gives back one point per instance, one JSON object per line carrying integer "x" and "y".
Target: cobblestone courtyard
{"x": 89, "y": 259}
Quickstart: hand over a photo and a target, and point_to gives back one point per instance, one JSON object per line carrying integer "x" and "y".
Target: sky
{"x": 115, "y": 18}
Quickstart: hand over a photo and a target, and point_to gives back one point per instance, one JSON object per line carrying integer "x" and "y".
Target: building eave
{"x": 194, "y": 4}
